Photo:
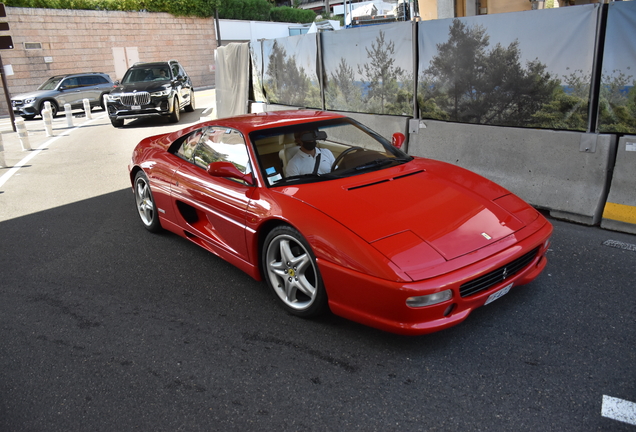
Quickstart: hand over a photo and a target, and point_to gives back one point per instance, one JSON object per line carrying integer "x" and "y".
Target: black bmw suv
{"x": 151, "y": 89}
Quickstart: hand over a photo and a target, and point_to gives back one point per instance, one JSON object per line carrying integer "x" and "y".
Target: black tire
{"x": 191, "y": 106}
{"x": 175, "y": 115}
{"x": 117, "y": 122}
{"x": 28, "y": 117}
{"x": 146, "y": 207}
{"x": 290, "y": 270}
{"x": 54, "y": 109}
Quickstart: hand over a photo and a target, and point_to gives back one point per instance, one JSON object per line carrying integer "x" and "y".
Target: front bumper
{"x": 382, "y": 304}
{"x": 160, "y": 106}
{"x": 25, "y": 110}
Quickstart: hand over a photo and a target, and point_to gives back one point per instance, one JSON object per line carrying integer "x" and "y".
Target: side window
{"x": 222, "y": 144}
{"x": 190, "y": 141}
{"x": 175, "y": 70}
{"x": 86, "y": 81}
{"x": 70, "y": 83}
{"x": 100, "y": 80}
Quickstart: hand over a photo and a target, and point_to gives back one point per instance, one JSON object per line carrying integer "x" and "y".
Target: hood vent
{"x": 386, "y": 180}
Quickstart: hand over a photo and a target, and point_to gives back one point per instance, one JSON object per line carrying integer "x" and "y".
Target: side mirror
{"x": 116, "y": 83}
{"x": 398, "y": 140}
{"x": 228, "y": 170}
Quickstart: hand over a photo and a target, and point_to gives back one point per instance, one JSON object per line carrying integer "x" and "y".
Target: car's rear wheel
{"x": 28, "y": 117}
{"x": 117, "y": 122}
{"x": 292, "y": 273}
{"x": 146, "y": 204}
{"x": 190, "y": 107}
{"x": 175, "y": 115}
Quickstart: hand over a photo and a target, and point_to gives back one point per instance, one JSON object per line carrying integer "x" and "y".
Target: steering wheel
{"x": 343, "y": 154}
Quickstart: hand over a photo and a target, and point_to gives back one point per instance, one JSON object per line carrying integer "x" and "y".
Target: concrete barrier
{"x": 566, "y": 173}
{"x": 620, "y": 210}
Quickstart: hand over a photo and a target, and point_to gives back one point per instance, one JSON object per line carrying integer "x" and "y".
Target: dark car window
{"x": 175, "y": 70}
{"x": 85, "y": 81}
{"x": 222, "y": 144}
{"x": 70, "y": 83}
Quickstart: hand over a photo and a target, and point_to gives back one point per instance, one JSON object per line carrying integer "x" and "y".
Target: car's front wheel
{"x": 54, "y": 109}
{"x": 175, "y": 115}
{"x": 292, "y": 273}
{"x": 145, "y": 203}
{"x": 190, "y": 107}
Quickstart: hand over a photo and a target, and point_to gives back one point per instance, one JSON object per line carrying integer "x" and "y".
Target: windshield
{"x": 319, "y": 151}
{"x": 50, "y": 84}
{"x": 159, "y": 73}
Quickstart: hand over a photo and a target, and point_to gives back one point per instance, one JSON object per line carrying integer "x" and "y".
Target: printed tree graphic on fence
{"x": 383, "y": 86}
{"x": 288, "y": 83}
{"x": 467, "y": 83}
{"x": 341, "y": 92}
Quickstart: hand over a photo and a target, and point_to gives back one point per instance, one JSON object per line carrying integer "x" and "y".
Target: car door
{"x": 69, "y": 93}
{"x": 184, "y": 83}
{"x": 89, "y": 89}
{"x": 214, "y": 208}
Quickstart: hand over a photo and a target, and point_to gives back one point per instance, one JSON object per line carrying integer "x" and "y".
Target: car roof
{"x": 267, "y": 120}
{"x": 151, "y": 64}
{"x": 78, "y": 74}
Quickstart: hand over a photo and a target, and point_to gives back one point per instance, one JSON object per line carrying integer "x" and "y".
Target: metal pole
{"x": 7, "y": 95}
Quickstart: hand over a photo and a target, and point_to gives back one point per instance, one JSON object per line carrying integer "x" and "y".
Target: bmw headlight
{"x": 112, "y": 98}
{"x": 162, "y": 92}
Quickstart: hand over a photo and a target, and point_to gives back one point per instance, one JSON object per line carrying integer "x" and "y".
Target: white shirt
{"x": 303, "y": 163}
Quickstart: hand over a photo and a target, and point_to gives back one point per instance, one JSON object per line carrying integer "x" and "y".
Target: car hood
{"x": 414, "y": 207}
{"x": 149, "y": 86}
{"x": 33, "y": 94}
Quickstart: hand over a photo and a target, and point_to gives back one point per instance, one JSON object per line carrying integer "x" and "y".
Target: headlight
{"x": 160, "y": 93}
{"x": 112, "y": 98}
{"x": 429, "y": 300}
{"x": 29, "y": 100}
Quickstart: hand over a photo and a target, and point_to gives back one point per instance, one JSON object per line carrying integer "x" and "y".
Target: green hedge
{"x": 250, "y": 10}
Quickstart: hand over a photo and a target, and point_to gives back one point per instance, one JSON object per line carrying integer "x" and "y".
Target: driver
{"x": 309, "y": 159}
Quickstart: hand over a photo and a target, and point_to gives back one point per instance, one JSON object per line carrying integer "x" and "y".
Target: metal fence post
{"x": 87, "y": 109}
{"x": 23, "y": 134}
{"x": 69, "y": 115}
{"x": 47, "y": 116}
{"x": 3, "y": 164}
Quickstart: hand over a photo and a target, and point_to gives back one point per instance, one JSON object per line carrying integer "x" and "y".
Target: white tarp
{"x": 232, "y": 79}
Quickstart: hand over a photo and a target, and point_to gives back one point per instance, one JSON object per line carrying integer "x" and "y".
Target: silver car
{"x": 63, "y": 89}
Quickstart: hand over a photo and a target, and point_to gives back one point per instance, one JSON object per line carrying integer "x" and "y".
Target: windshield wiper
{"x": 379, "y": 163}
{"x": 305, "y": 177}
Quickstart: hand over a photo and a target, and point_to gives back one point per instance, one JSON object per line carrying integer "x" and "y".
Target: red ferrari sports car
{"x": 335, "y": 217}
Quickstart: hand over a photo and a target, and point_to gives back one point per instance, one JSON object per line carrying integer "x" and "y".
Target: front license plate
{"x": 502, "y": 292}
{"x": 136, "y": 107}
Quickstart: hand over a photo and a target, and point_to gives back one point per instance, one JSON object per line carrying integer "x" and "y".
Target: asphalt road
{"x": 106, "y": 327}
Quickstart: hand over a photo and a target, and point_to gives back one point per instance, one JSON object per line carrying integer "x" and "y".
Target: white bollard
{"x": 87, "y": 109}
{"x": 47, "y": 116}
{"x": 47, "y": 105}
{"x": 23, "y": 134}
{"x": 3, "y": 164}
{"x": 69, "y": 115}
